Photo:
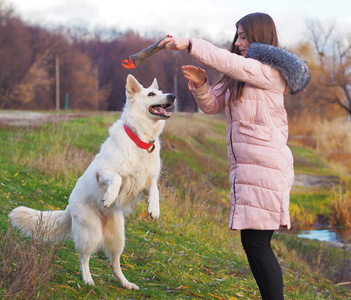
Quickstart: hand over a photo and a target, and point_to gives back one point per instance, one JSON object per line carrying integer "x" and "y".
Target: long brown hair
{"x": 258, "y": 28}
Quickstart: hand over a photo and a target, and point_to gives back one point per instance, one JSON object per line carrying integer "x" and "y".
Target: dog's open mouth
{"x": 160, "y": 110}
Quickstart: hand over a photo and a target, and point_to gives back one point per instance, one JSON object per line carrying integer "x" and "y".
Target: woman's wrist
{"x": 199, "y": 85}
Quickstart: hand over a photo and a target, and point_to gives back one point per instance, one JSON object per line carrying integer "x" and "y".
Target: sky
{"x": 212, "y": 19}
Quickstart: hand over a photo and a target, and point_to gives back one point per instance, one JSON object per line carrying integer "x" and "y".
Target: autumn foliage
{"x": 91, "y": 76}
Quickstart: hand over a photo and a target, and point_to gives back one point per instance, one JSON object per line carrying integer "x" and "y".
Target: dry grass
{"x": 191, "y": 125}
{"x": 54, "y": 155}
{"x": 299, "y": 217}
{"x": 302, "y": 125}
{"x": 330, "y": 139}
{"x": 333, "y": 136}
{"x": 26, "y": 265}
{"x": 69, "y": 161}
{"x": 341, "y": 209}
{"x": 327, "y": 137}
{"x": 195, "y": 197}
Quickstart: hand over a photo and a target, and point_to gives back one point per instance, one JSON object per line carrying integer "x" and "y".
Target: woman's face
{"x": 242, "y": 42}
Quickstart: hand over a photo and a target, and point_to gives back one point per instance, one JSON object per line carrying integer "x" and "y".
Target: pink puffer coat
{"x": 261, "y": 164}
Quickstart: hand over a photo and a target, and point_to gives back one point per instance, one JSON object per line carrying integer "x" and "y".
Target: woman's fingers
{"x": 195, "y": 74}
{"x": 165, "y": 41}
{"x": 174, "y": 43}
{"x": 189, "y": 69}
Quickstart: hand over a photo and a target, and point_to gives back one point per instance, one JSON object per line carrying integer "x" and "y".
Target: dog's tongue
{"x": 161, "y": 111}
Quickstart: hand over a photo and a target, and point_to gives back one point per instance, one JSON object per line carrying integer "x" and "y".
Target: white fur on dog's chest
{"x": 137, "y": 168}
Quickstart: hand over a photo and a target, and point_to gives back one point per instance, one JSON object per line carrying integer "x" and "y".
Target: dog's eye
{"x": 151, "y": 94}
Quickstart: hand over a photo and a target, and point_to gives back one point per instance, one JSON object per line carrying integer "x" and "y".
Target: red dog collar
{"x": 150, "y": 147}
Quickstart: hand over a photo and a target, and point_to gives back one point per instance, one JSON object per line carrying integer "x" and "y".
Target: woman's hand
{"x": 195, "y": 74}
{"x": 172, "y": 43}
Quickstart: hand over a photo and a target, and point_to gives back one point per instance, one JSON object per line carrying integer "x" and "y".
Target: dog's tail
{"x": 48, "y": 225}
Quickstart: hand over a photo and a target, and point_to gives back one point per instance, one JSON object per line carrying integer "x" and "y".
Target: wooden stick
{"x": 137, "y": 58}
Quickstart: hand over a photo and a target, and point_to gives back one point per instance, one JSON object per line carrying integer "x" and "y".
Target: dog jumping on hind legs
{"x": 127, "y": 165}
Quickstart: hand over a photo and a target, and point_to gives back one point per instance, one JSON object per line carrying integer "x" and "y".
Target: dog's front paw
{"x": 108, "y": 199}
{"x": 154, "y": 210}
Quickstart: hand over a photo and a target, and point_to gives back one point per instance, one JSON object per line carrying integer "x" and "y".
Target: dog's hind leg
{"x": 114, "y": 240}
{"x": 112, "y": 181}
{"x": 84, "y": 268}
{"x": 87, "y": 236}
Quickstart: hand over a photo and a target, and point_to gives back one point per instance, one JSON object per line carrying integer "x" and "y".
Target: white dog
{"x": 128, "y": 164}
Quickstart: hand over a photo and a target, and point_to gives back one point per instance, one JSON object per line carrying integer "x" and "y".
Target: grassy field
{"x": 188, "y": 254}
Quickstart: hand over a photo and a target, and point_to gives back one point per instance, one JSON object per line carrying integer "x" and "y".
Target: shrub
{"x": 341, "y": 209}
{"x": 26, "y": 265}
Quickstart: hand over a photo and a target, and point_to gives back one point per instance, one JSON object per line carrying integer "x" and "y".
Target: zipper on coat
{"x": 236, "y": 161}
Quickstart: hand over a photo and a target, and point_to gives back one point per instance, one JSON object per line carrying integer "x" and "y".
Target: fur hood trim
{"x": 295, "y": 71}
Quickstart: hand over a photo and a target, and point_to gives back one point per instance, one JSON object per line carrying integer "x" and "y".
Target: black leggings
{"x": 263, "y": 263}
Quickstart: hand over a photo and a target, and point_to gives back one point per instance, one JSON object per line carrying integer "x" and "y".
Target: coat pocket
{"x": 257, "y": 131}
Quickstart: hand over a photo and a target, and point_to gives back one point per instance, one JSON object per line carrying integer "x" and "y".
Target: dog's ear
{"x": 133, "y": 86}
{"x": 154, "y": 84}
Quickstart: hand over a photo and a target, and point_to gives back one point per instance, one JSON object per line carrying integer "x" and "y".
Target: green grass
{"x": 189, "y": 253}
{"x": 307, "y": 161}
{"x": 316, "y": 202}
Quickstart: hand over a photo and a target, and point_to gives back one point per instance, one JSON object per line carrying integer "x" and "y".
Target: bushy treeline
{"x": 91, "y": 76}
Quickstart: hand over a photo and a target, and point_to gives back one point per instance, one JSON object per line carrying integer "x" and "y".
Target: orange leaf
{"x": 57, "y": 266}
{"x": 67, "y": 287}
{"x": 143, "y": 215}
{"x": 111, "y": 286}
{"x": 215, "y": 296}
{"x": 128, "y": 64}
{"x": 289, "y": 288}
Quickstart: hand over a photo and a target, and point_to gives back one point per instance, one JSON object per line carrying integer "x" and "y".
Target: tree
{"x": 90, "y": 66}
{"x": 15, "y": 59}
{"x": 334, "y": 53}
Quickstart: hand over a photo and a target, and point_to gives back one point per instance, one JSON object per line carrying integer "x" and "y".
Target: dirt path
{"x": 314, "y": 181}
{"x": 29, "y": 118}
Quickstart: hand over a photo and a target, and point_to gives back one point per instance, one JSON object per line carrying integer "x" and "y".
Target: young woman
{"x": 256, "y": 76}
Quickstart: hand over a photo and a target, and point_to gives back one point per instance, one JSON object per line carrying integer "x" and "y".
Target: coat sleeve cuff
{"x": 190, "y": 45}
{"x": 192, "y": 87}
